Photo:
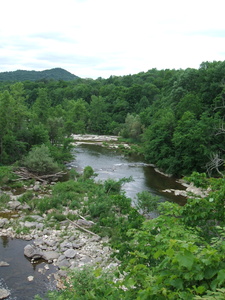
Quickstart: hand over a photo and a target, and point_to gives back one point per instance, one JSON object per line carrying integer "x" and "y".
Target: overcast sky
{"x": 99, "y": 38}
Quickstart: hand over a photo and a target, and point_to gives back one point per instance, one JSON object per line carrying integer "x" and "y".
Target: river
{"x": 107, "y": 163}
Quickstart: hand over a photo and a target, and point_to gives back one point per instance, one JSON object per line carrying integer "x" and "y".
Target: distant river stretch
{"x": 107, "y": 163}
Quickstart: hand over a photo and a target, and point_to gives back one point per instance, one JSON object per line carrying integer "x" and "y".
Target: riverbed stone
{"x": 51, "y": 243}
{"x": 50, "y": 255}
{"x": 3, "y": 222}
{"x": 36, "y": 187}
{"x": 13, "y": 205}
{"x": 37, "y": 218}
{"x": 33, "y": 252}
{"x": 40, "y": 226}
{"x": 78, "y": 245}
{"x": 25, "y": 206}
{"x": 30, "y": 224}
{"x": 70, "y": 253}
{"x": 65, "y": 245}
{"x": 63, "y": 263}
{"x": 4, "y": 293}
{"x": 3, "y": 264}
{"x": 30, "y": 278}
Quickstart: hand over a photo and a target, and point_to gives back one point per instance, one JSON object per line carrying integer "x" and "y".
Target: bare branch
{"x": 214, "y": 164}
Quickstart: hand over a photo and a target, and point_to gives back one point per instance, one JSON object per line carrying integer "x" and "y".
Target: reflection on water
{"x": 107, "y": 163}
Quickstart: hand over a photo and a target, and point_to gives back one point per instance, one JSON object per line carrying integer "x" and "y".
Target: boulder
{"x": 30, "y": 224}
{"x": 13, "y": 205}
{"x": 36, "y": 187}
{"x": 33, "y": 252}
{"x": 50, "y": 255}
{"x": 3, "y": 222}
{"x": 64, "y": 263}
{"x": 70, "y": 253}
{"x": 4, "y": 293}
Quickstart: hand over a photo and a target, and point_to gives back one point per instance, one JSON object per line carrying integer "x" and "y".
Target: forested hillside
{"x": 23, "y": 75}
{"x": 176, "y": 116}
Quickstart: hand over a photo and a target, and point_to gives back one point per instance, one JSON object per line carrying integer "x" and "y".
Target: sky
{"x": 100, "y": 38}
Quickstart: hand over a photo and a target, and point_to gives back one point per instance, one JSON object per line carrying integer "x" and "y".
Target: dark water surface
{"x": 14, "y": 277}
{"x": 108, "y": 163}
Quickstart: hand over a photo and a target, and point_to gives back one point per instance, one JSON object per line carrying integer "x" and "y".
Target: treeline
{"x": 176, "y": 116}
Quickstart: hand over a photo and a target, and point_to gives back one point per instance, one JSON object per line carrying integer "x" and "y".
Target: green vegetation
{"x": 177, "y": 255}
{"x": 39, "y": 161}
{"x": 175, "y": 118}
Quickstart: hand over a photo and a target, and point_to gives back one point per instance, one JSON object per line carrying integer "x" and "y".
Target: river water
{"x": 15, "y": 276}
{"x": 107, "y": 163}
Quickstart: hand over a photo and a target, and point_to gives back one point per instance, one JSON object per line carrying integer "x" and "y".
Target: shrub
{"x": 88, "y": 173}
{"x": 5, "y": 175}
{"x": 146, "y": 202}
{"x": 40, "y": 161}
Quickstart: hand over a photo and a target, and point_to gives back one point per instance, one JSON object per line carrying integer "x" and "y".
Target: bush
{"x": 5, "y": 175}
{"x": 146, "y": 202}
{"x": 88, "y": 173}
{"x": 40, "y": 161}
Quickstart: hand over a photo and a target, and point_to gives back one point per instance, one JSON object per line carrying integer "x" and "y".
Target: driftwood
{"x": 24, "y": 174}
{"x": 82, "y": 228}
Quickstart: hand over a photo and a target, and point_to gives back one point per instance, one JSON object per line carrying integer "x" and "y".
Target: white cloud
{"x": 93, "y": 38}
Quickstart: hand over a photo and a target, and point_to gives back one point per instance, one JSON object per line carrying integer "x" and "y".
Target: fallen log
{"x": 82, "y": 228}
{"x": 24, "y": 174}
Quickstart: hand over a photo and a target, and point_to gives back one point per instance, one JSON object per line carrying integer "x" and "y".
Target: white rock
{"x": 30, "y": 278}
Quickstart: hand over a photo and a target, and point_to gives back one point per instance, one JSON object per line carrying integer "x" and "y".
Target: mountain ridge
{"x": 49, "y": 74}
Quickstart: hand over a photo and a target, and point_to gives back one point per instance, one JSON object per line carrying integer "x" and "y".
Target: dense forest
{"x": 175, "y": 116}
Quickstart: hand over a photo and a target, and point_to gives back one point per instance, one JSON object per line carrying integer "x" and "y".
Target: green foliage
{"x": 40, "y": 161}
{"x": 146, "y": 202}
{"x": 177, "y": 255}
{"x": 88, "y": 173}
{"x": 88, "y": 284}
{"x": 132, "y": 127}
{"x": 198, "y": 179}
{"x": 174, "y": 115}
{"x": 4, "y": 199}
{"x": 5, "y": 175}
{"x": 113, "y": 186}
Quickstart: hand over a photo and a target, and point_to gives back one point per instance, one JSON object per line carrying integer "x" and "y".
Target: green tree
{"x": 193, "y": 141}
{"x": 132, "y": 127}
{"x": 98, "y": 116}
{"x": 41, "y": 106}
{"x": 158, "y": 147}
{"x": 39, "y": 161}
{"x": 76, "y": 116}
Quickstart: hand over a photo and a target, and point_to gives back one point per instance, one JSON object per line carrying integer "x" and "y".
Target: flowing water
{"x": 108, "y": 163}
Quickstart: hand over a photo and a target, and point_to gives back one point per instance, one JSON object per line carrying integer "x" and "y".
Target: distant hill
{"x": 22, "y": 75}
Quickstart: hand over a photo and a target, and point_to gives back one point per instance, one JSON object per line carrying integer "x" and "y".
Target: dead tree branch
{"x": 214, "y": 164}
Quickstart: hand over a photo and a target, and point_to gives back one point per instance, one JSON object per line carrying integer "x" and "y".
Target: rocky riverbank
{"x": 68, "y": 244}
{"x": 110, "y": 141}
